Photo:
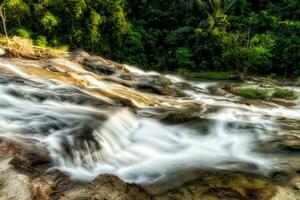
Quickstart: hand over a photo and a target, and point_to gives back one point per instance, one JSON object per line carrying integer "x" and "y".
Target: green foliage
{"x": 40, "y": 41}
{"x": 199, "y": 35}
{"x": 253, "y": 93}
{"x": 49, "y": 21}
{"x": 266, "y": 93}
{"x": 24, "y": 33}
{"x": 183, "y": 58}
{"x": 284, "y": 94}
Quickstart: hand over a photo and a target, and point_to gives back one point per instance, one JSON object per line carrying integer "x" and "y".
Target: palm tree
{"x": 214, "y": 7}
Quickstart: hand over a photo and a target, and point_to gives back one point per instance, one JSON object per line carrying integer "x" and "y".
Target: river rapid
{"x": 94, "y": 116}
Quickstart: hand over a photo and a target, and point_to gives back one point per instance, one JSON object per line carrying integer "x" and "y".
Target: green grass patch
{"x": 284, "y": 94}
{"x": 265, "y": 93}
{"x": 252, "y": 93}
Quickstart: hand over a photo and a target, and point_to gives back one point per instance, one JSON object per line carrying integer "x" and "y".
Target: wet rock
{"x": 223, "y": 186}
{"x": 2, "y": 52}
{"x": 158, "y": 90}
{"x": 217, "y": 91}
{"x": 284, "y": 102}
{"x": 183, "y": 86}
{"x": 287, "y": 186}
{"x": 187, "y": 112}
{"x": 79, "y": 55}
{"x": 289, "y": 142}
{"x": 14, "y": 186}
{"x": 98, "y": 67}
{"x": 118, "y": 81}
{"x": 154, "y": 80}
{"x": 156, "y": 84}
{"x": 29, "y": 151}
{"x": 224, "y": 193}
{"x": 257, "y": 103}
{"x": 105, "y": 187}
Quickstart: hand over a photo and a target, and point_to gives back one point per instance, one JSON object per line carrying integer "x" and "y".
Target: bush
{"x": 252, "y": 93}
{"x": 21, "y": 32}
{"x": 49, "y": 21}
{"x": 266, "y": 93}
{"x": 184, "y": 57}
{"x": 284, "y": 94}
{"x": 40, "y": 41}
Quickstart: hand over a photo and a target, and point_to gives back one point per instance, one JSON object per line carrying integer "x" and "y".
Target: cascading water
{"x": 87, "y": 134}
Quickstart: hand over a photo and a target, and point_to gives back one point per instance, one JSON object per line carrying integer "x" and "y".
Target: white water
{"x": 152, "y": 151}
{"x": 86, "y": 139}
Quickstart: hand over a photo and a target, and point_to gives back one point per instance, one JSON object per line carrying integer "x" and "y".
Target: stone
{"x": 28, "y": 151}
{"x": 2, "y": 52}
{"x": 98, "y": 67}
{"x": 14, "y": 186}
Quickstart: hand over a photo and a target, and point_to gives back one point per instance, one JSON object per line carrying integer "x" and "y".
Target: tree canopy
{"x": 256, "y": 36}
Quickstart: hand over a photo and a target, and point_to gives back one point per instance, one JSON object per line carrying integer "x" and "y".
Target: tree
{"x": 3, "y": 17}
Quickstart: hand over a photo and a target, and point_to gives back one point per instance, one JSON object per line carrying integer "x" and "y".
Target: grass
{"x": 225, "y": 75}
{"x": 284, "y": 94}
{"x": 265, "y": 93}
{"x": 252, "y": 93}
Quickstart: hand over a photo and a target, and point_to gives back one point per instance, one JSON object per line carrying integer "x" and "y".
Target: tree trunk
{"x": 3, "y": 18}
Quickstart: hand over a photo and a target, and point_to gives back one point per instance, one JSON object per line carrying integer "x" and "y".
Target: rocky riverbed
{"x": 84, "y": 127}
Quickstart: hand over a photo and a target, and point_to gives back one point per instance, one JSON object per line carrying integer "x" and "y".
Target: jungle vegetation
{"x": 246, "y": 36}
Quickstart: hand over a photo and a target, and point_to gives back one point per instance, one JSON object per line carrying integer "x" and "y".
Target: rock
{"x": 284, "y": 102}
{"x": 14, "y": 186}
{"x": 105, "y": 187}
{"x": 2, "y": 52}
{"x": 29, "y": 151}
{"x": 287, "y": 186}
{"x": 158, "y": 90}
{"x": 187, "y": 112}
{"x": 183, "y": 86}
{"x": 156, "y": 84}
{"x": 79, "y": 55}
{"x": 217, "y": 91}
{"x": 217, "y": 185}
{"x": 154, "y": 80}
{"x": 98, "y": 67}
{"x": 290, "y": 142}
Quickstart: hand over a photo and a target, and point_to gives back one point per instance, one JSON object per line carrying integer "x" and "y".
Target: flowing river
{"x": 114, "y": 121}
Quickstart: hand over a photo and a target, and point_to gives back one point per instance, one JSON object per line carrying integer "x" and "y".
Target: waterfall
{"x": 87, "y": 133}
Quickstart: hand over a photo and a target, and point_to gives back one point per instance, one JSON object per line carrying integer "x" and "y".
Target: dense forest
{"x": 248, "y": 36}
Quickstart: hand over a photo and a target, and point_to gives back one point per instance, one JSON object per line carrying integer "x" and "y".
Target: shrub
{"x": 252, "y": 93}
{"x": 49, "y": 21}
{"x": 284, "y": 94}
{"x": 265, "y": 93}
{"x": 40, "y": 41}
{"x": 21, "y": 32}
{"x": 184, "y": 57}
